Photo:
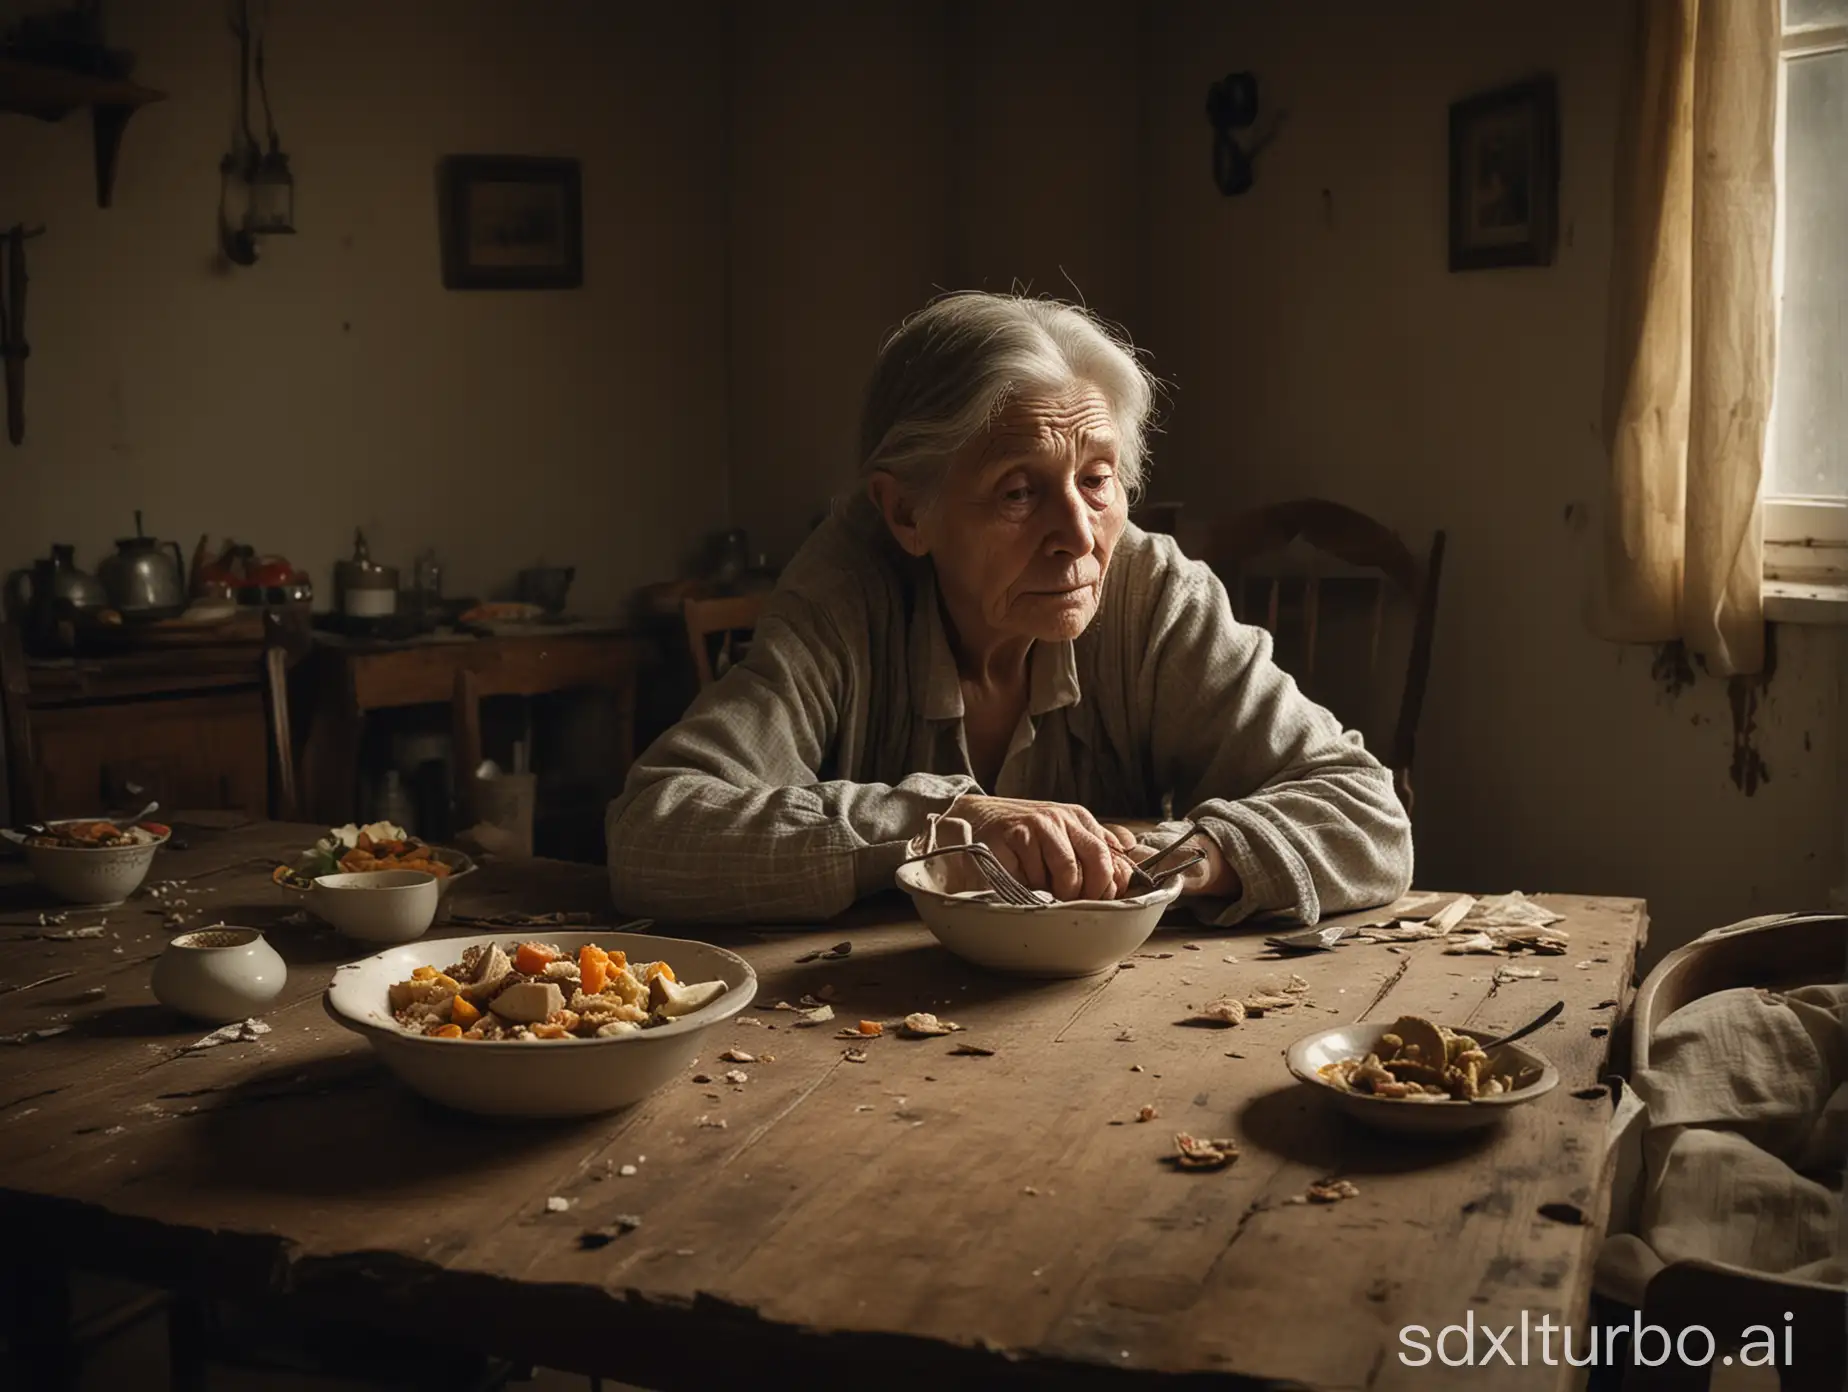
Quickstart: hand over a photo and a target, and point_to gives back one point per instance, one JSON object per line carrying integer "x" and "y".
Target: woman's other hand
{"x": 1055, "y": 846}
{"x": 1213, "y": 876}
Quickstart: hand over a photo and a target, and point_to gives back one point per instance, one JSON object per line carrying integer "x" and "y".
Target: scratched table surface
{"x": 997, "y": 1219}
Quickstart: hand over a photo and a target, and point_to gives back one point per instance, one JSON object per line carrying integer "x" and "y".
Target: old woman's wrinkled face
{"x": 1029, "y": 511}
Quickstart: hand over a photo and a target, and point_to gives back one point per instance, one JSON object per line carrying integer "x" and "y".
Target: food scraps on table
{"x": 1506, "y": 923}
{"x": 921, "y": 1024}
{"x": 1198, "y": 1153}
{"x": 1326, "y": 1191}
{"x": 239, "y": 1032}
{"x": 1418, "y": 1061}
{"x": 536, "y": 991}
{"x": 525, "y": 920}
{"x": 1229, "y": 1010}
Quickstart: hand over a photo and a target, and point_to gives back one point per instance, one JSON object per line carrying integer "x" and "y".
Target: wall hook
{"x": 1232, "y": 105}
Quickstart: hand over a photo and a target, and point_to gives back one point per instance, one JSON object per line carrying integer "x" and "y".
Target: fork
{"x": 999, "y": 877}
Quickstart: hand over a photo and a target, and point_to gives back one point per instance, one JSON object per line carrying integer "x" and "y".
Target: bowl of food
{"x": 353, "y": 849}
{"x": 1387, "y": 1076}
{"x": 1054, "y": 938}
{"x": 574, "y": 1025}
{"x": 91, "y": 862}
{"x": 376, "y": 906}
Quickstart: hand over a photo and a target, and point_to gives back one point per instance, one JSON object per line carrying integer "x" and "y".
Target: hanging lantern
{"x": 268, "y": 188}
{"x": 271, "y": 207}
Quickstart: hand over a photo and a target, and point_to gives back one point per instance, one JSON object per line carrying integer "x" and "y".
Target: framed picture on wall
{"x": 1504, "y": 177}
{"x": 511, "y": 222}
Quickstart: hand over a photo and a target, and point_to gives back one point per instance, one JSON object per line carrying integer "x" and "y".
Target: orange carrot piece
{"x": 531, "y": 958}
{"x": 462, "y": 1012}
{"x": 661, "y": 969}
{"x": 593, "y": 968}
{"x": 871, "y": 1027}
{"x": 449, "y": 1032}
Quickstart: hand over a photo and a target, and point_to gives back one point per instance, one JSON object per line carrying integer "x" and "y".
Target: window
{"x": 1806, "y": 464}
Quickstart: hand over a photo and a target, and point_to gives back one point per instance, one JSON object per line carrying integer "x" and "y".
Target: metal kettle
{"x": 52, "y": 590}
{"x": 146, "y": 578}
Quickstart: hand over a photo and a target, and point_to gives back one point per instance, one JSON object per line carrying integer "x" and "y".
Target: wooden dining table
{"x": 935, "y": 1215}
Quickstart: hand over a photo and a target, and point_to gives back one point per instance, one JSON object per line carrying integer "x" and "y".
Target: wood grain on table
{"x": 920, "y": 1216}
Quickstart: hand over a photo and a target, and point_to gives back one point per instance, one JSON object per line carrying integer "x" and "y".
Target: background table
{"x": 350, "y": 678}
{"x": 920, "y": 1219}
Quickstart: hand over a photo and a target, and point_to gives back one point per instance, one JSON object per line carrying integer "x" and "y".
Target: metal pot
{"x": 145, "y": 582}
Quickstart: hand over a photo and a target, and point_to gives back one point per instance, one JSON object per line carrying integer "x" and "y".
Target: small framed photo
{"x": 511, "y": 223}
{"x": 1504, "y": 177}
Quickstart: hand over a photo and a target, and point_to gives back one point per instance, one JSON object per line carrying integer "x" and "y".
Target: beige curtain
{"x": 1693, "y": 329}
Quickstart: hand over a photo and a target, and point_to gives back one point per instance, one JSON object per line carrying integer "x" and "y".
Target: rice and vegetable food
{"x": 534, "y": 991}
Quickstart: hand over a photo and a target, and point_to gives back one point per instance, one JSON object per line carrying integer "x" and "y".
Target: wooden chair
{"x": 1780, "y": 952}
{"x": 1319, "y": 576}
{"x": 731, "y": 621}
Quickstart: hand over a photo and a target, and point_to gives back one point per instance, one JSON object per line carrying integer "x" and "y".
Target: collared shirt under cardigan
{"x": 794, "y": 784}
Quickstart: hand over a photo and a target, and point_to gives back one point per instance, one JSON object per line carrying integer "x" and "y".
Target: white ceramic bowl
{"x": 1079, "y": 937}
{"x": 377, "y": 906}
{"x": 460, "y": 864}
{"x": 99, "y": 877}
{"x": 538, "y": 1078}
{"x": 219, "y": 974}
{"x": 1312, "y": 1052}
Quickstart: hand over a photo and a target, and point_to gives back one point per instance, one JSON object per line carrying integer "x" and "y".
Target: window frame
{"x": 1805, "y": 539}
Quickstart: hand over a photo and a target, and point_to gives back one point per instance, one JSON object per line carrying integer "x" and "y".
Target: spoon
{"x": 147, "y": 811}
{"x": 1543, "y": 1018}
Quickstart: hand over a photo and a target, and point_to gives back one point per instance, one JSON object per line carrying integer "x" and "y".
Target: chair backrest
{"x": 1778, "y": 952}
{"x": 1326, "y": 581}
{"x": 730, "y": 621}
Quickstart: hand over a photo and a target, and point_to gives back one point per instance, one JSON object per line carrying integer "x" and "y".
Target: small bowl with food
{"x": 577, "y": 1024}
{"x": 89, "y": 861}
{"x": 355, "y": 850}
{"x": 1419, "y": 1076}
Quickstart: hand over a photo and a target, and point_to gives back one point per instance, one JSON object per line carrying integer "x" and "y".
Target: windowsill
{"x": 1806, "y": 601}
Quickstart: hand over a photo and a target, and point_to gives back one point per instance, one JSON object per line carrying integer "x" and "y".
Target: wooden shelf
{"x": 51, "y": 94}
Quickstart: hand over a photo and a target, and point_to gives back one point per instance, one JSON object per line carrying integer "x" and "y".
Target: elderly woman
{"x": 984, "y": 634}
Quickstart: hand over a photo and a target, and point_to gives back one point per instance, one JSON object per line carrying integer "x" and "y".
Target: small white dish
{"x": 98, "y": 877}
{"x": 220, "y": 974}
{"x": 1078, "y": 937}
{"x": 538, "y": 1078}
{"x": 377, "y": 906}
{"x": 1313, "y": 1052}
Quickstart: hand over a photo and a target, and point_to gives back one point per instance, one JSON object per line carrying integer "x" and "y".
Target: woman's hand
{"x": 1055, "y": 846}
{"x": 1213, "y": 877}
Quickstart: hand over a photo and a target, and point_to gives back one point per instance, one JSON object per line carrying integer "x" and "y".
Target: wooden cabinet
{"x": 189, "y": 727}
{"x": 202, "y": 751}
